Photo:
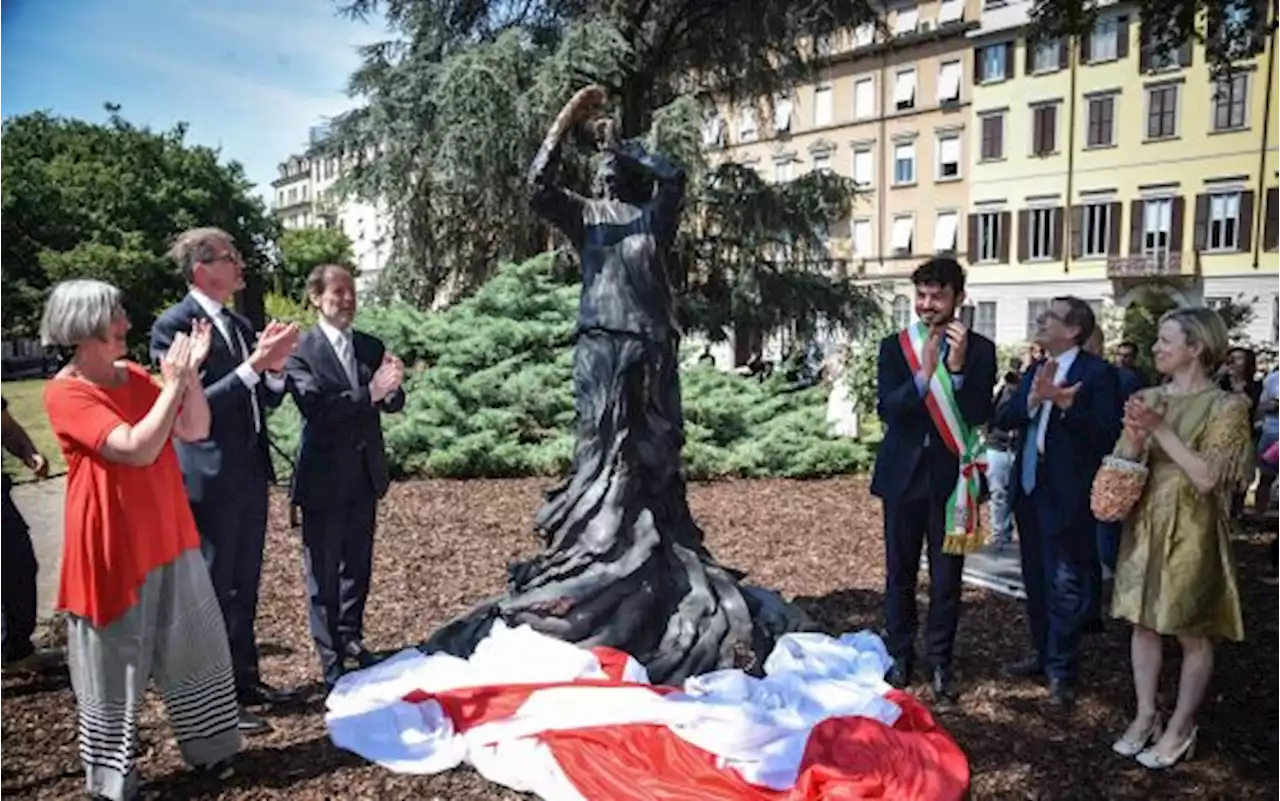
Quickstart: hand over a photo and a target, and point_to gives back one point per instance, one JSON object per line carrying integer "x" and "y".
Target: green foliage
{"x": 490, "y": 394}
{"x": 304, "y": 249}
{"x": 104, "y": 201}
{"x": 289, "y": 310}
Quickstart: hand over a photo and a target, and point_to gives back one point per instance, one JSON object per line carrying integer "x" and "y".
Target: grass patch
{"x": 26, "y": 405}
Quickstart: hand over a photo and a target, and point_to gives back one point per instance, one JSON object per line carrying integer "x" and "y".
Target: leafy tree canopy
{"x": 456, "y": 104}
{"x": 304, "y": 249}
{"x": 86, "y": 200}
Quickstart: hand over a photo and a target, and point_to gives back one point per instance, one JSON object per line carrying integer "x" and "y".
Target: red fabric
{"x": 121, "y": 522}
{"x": 845, "y": 759}
{"x": 1272, "y": 454}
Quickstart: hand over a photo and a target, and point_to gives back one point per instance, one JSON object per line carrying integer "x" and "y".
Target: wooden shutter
{"x": 1144, "y": 50}
{"x": 1010, "y": 66}
{"x": 1024, "y": 223}
{"x": 1077, "y": 231}
{"x": 1037, "y": 130}
{"x": 1271, "y": 224}
{"x": 1062, "y": 52}
{"x": 997, "y": 123}
{"x": 972, "y": 241}
{"x": 1175, "y": 225}
{"x": 1050, "y": 129}
{"x": 1113, "y": 232}
{"x": 1135, "y": 227}
{"x": 1246, "y": 220}
{"x": 1003, "y": 237}
{"x": 1055, "y": 243}
{"x": 1200, "y": 231}
{"x": 979, "y": 64}
{"x": 1086, "y": 47}
{"x": 1122, "y": 37}
{"x": 1029, "y": 56}
{"x": 1184, "y": 54}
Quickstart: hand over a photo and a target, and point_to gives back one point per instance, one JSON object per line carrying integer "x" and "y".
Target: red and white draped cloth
{"x": 566, "y": 723}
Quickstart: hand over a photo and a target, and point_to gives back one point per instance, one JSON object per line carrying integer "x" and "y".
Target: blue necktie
{"x": 1030, "y": 453}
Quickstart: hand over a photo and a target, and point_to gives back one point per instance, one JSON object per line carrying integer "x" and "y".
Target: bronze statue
{"x": 625, "y": 565}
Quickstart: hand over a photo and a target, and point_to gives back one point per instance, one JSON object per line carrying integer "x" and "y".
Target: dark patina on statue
{"x": 624, "y": 564}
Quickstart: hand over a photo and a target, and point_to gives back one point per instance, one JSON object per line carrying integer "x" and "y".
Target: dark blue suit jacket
{"x": 1131, "y": 381}
{"x": 1075, "y": 441}
{"x": 214, "y": 468}
{"x": 907, "y": 421}
{"x": 342, "y": 449}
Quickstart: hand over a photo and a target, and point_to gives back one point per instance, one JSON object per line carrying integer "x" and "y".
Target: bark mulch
{"x": 444, "y": 545}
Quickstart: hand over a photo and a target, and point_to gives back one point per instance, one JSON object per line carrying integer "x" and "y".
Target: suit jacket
{"x": 215, "y": 467}
{"x": 341, "y": 451}
{"x": 1075, "y": 440}
{"x": 1131, "y": 380}
{"x": 907, "y": 421}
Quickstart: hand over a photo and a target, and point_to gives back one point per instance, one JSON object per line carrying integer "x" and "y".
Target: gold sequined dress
{"x": 1175, "y": 573}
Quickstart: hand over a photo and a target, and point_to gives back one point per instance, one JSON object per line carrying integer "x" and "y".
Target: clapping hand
{"x": 957, "y": 334}
{"x": 176, "y": 366}
{"x": 1044, "y": 387}
{"x": 388, "y": 377}
{"x": 275, "y": 344}
{"x": 929, "y": 356}
{"x": 1142, "y": 419}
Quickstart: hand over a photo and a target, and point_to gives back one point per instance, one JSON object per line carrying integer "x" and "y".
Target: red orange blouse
{"x": 122, "y": 522}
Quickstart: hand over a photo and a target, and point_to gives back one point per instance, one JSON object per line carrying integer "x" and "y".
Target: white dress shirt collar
{"x": 211, "y": 307}
{"x": 333, "y": 334}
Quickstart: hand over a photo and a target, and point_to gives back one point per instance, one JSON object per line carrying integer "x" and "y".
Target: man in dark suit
{"x": 228, "y": 474}
{"x": 918, "y": 470}
{"x": 342, "y": 380}
{"x": 1067, "y": 409}
{"x": 1130, "y": 380}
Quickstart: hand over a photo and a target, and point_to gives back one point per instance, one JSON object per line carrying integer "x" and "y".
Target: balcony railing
{"x": 1149, "y": 265}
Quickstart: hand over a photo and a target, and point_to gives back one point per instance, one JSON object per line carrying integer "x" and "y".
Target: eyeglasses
{"x": 231, "y": 256}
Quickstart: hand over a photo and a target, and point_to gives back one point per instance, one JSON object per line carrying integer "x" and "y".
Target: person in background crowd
{"x": 1176, "y": 575}
{"x": 1067, "y": 413}
{"x": 1129, "y": 379}
{"x": 227, "y": 474}
{"x": 18, "y": 560}
{"x": 1001, "y": 450}
{"x": 137, "y": 591}
{"x": 1131, "y": 376}
{"x": 1239, "y": 374}
{"x": 917, "y": 474}
{"x": 1096, "y": 344}
{"x": 1269, "y": 412}
{"x": 341, "y": 380}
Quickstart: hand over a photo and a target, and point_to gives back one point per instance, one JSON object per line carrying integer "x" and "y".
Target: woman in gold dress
{"x": 1175, "y": 575}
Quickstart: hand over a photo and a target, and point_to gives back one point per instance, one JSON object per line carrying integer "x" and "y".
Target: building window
{"x": 1102, "y": 121}
{"x": 862, "y": 247}
{"x": 1042, "y": 234}
{"x": 782, "y": 108}
{"x": 904, "y": 90}
{"x": 864, "y": 34}
{"x": 948, "y": 158}
{"x": 863, "y": 174}
{"x": 1224, "y": 221}
{"x": 1045, "y": 129}
{"x": 822, "y": 161}
{"x": 1230, "y": 101}
{"x": 904, "y": 163}
{"x": 1157, "y": 222}
{"x": 748, "y": 129}
{"x": 905, "y": 20}
{"x": 949, "y": 76}
{"x": 1104, "y": 41}
{"x": 989, "y": 234}
{"x": 1046, "y": 57}
{"x": 992, "y": 137}
{"x": 984, "y": 319}
{"x": 1096, "y": 236}
{"x": 864, "y": 98}
{"x": 950, "y": 11}
{"x": 1035, "y": 310}
{"x": 944, "y": 232}
{"x": 783, "y": 171}
{"x": 993, "y": 62}
{"x": 901, "y": 311}
{"x": 822, "y": 111}
{"x": 1162, "y": 112}
{"x": 903, "y": 235}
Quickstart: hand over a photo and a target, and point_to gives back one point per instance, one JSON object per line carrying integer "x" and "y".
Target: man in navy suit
{"x": 228, "y": 474}
{"x": 1067, "y": 409}
{"x": 342, "y": 380}
{"x": 917, "y": 470}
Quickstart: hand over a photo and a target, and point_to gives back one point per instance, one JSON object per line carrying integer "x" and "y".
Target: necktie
{"x": 346, "y": 357}
{"x": 1030, "y": 454}
{"x": 238, "y": 349}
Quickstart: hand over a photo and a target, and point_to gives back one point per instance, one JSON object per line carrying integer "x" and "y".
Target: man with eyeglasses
{"x": 227, "y": 475}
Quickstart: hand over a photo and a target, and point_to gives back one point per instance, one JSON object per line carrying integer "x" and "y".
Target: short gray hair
{"x": 196, "y": 245}
{"x": 78, "y": 311}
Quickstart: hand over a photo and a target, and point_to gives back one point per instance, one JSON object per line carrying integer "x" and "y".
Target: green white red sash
{"x": 963, "y": 533}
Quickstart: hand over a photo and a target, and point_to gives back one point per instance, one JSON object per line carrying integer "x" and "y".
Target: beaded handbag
{"x": 1116, "y": 488}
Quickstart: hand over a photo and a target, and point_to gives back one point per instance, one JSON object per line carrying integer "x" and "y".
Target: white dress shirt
{"x": 345, "y": 349}
{"x": 1041, "y": 415}
{"x": 248, "y": 376}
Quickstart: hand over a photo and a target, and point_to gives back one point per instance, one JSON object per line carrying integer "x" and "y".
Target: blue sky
{"x": 250, "y": 77}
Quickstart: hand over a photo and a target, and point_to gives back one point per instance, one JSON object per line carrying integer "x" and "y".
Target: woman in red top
{"x": 140, "y": 601}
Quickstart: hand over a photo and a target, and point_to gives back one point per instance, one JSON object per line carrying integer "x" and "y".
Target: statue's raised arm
{"x": 551, "y": 201}
{"x": 670, "y": 179}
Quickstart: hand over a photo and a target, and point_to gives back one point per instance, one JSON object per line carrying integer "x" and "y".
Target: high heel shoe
{"x": 1151, "y": 759}
{"x": 1131, "y": 748}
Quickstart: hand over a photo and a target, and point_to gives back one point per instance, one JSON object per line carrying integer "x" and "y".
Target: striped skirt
{"x": 175, "y": 635}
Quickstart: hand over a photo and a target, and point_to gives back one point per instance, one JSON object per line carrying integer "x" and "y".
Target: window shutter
{"x": 1136, "y": 209}
{"x": 1009, "y": 65}
{"x": 1113, "y": 233}
{"x": 1144, "y": 50}
{"x": 1086, "y": 47}
{"x": 1175, "y": 226}
{"x": 998, "y": 125}
{"x": 972, "y": 240}
{"x": 1002, "y": 246}
{"x": 1122, "y": 37}
{"x": 1184, "y": 54}
{"x": 1246, "y": 220}
{"x": 1037, "y": 130}
{"x": 1055, "y": 245}
{"x": 1200, "y": 233}
{"x": 1029, "y": 57}
{"x": 1024, "y": 222}
{"x": 978, "y": 62}
{"x": 1062, "y": 52}
{"x": 1077, "y": 231}
{"x": 1271, "y": 224}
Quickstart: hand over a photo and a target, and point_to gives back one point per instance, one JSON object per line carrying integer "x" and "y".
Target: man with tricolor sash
{"x": 935, "y": 381}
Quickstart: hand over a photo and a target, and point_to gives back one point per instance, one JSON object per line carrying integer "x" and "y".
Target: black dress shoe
{"x": 250, "y": 723}
{"x": 942, "y": 685}
{"x": 1028, "y": 668}
{"x": 264, "y": 694}
{"x": 220, "y": 771}
{"x": 900, "y": 673}
{"x": 1062, "y": 694}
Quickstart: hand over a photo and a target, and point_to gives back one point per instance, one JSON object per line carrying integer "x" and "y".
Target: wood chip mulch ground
{"x": 444, "y": 545}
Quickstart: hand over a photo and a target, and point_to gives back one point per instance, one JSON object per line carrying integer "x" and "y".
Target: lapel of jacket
{"x": 360, "y": 345}
{"x": 328, "y": 356}
{"x": 220, "y": 349}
